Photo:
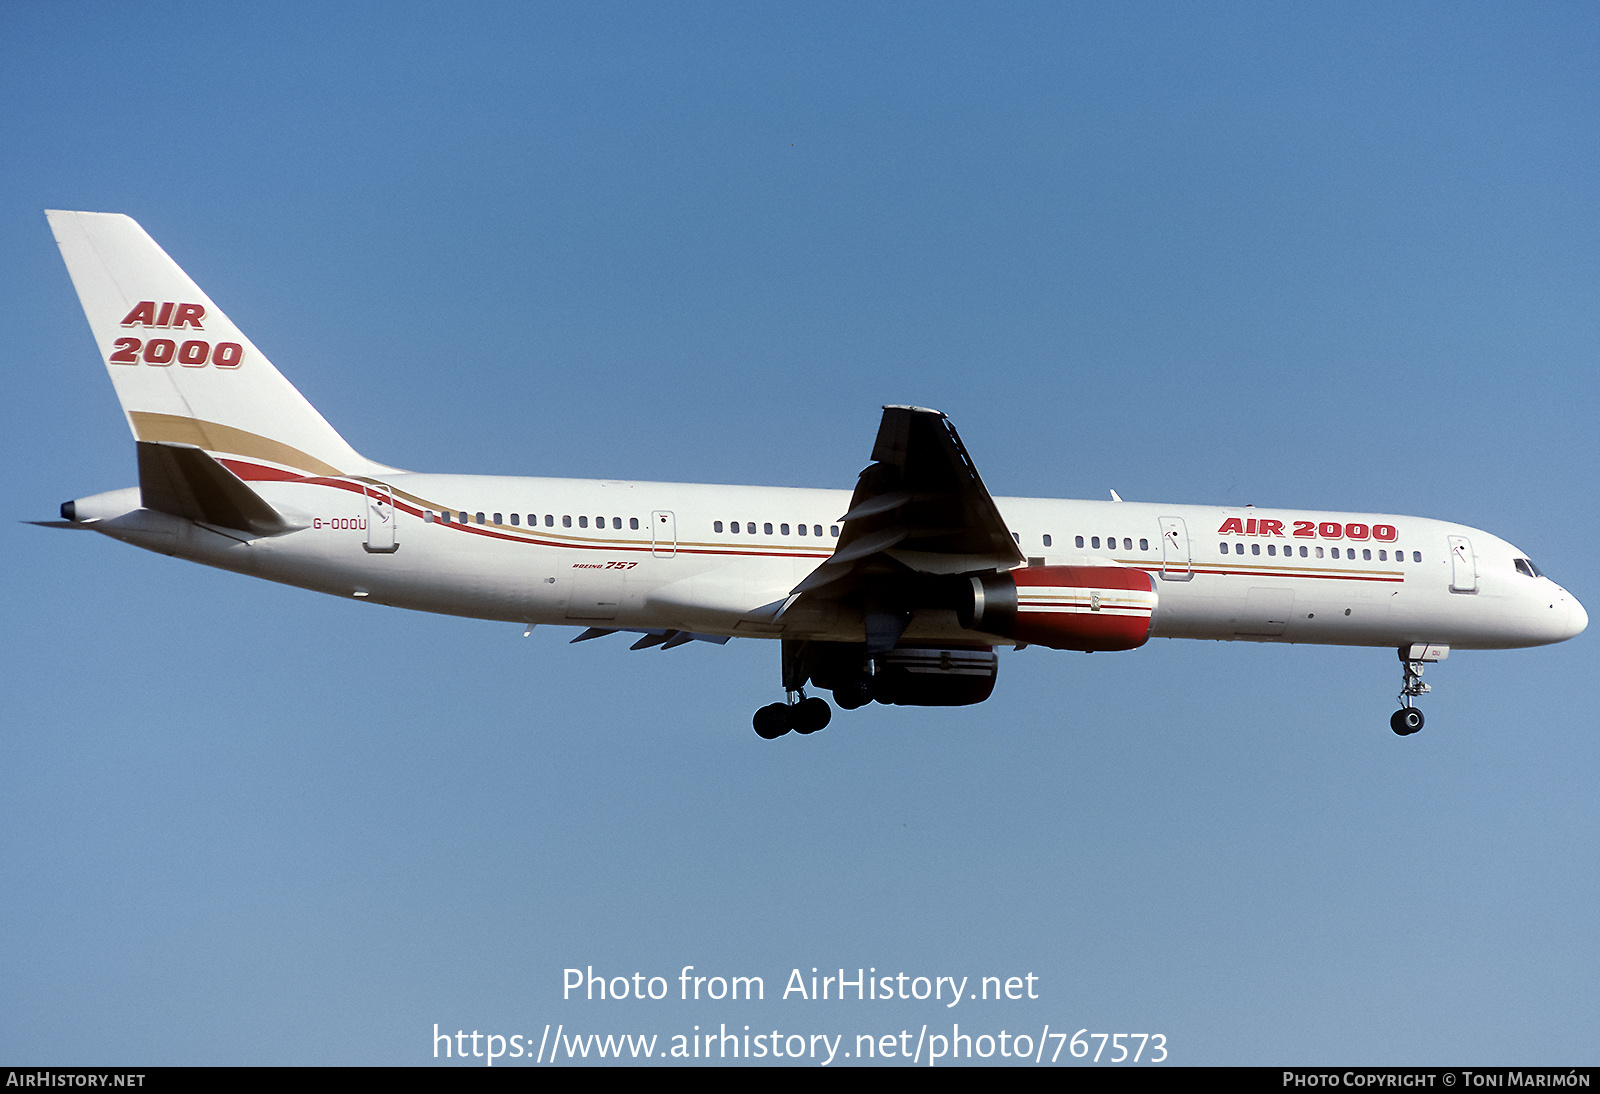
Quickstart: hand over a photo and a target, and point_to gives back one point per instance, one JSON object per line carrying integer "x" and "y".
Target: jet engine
{"x": 1063, "y": 607}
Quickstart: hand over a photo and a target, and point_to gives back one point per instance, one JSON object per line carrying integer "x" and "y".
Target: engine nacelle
{"x": 1063, "y": 607}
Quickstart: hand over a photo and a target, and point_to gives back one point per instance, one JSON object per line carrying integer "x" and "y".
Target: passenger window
{"x": 716, "y": 526}
{"x": 1238, "y": 548}
{"x": 427, "y": 516}
{"x": 497, "y": 519}
{"x": 633, "y": 522}
{"x": 583, "y": 522}
{"x": 1047, "y": 539}
{"x": 549, "y": 520}
{"x": 801, "y": 528}
{"x": 1255, "y": 548}
{"x": 480, "y": 518}
{"x": 1383, "y": 556}
{"x": 1224, "y": 547}
{"x": 1272, "y": 549}
{"x": 816, "y": 530}
{"x": 766, "y": 529}
{"x": 1366, "y": 554}
{"x": 514, "y": 519}
{"x": 1302, "y": 552}
{"x": 1416, "y": 556}
{"x": 599, "y": 522}
{"x": 1094, "y": 542}
{"x": 1018, "y": 538}
{"x": 1144, "y": 545}
{"x": 833, "y": 530}
{"x": 566, "y": 521}
{"x": 1077, "y": 541}
{"x": 1319, "y": 551}
{"x": 783, "y": 529}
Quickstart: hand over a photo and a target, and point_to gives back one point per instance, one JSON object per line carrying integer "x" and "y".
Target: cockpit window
{"x": 1526, "y": 566}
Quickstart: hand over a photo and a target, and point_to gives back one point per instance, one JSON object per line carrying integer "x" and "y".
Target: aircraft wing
{"x": 919, "y": 508}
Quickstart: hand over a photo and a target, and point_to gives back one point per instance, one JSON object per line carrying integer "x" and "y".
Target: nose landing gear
{"x": 1408, "y": 719}
{"x": 799, "y": 714}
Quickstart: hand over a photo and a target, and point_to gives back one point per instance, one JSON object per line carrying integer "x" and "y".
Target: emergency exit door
{"x": 663, "y": 534}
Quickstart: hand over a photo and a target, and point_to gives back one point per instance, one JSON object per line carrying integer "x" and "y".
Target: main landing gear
{"x": 1408, "y": 719}
{"x": 799, "y": 714}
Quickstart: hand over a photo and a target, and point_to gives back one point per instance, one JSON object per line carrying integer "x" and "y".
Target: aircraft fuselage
{"x": 1294, "y": 576}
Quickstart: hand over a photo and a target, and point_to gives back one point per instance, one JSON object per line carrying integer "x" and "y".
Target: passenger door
{"x": 1463, "y": 566}
{"x": 381, "y": 521}
{"x": 1175, "y": 564}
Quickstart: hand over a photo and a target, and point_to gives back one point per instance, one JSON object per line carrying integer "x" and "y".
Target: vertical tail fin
{"x": 183, "y": 372}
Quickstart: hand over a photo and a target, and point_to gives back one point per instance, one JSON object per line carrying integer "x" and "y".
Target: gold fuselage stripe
{"x": 214, "y": 437}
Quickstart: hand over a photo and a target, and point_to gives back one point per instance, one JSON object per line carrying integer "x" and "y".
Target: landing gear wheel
{"x": 1406, "y": 721}
{"x": 810, "y": 715}
{"x": 851, "y": 696}
{"x": 772, "y": 721}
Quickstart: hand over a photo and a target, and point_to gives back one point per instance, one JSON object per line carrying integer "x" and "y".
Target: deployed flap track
{"x": 666, "y": 638}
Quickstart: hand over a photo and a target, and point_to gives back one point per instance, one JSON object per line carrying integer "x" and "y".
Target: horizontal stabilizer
{"x": 186, "y": 482}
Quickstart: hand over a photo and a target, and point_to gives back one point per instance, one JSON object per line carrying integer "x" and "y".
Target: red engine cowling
{"x": 1063, "y": 607}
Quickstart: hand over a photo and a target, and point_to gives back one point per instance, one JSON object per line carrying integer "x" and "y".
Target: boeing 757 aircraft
{"x": 897, "y": 592}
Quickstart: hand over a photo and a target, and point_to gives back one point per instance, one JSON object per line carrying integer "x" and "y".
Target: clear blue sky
{"x": 1324, "y": 256}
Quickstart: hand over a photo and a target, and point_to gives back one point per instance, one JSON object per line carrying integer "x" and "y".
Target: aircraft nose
{"x": 1577, "y": 618}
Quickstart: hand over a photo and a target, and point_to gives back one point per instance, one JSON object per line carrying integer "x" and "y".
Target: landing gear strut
{"x": 799, "y": 714}
{"x": 1408, "y": 719}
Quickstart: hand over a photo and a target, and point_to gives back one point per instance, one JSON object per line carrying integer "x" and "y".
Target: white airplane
{"x": 897, "y": 592}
